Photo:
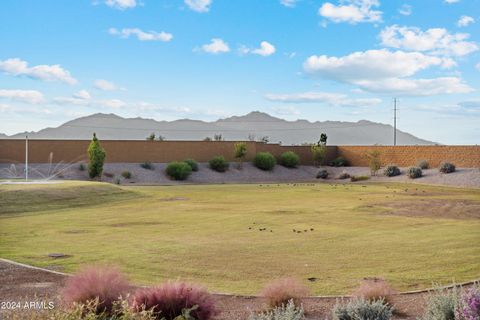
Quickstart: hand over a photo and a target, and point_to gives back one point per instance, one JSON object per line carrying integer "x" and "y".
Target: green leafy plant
{"x": 446, "y": 167}
{"x": 147, "y": 165}
{"x": 97, "y": 155}
{"x": 192, "y": 163}
{"x": 82, "y": 167}
{"x": 319, "y": 150}
{"x": 374, "y": 162}
{"x": 283, "y": 312}
{"x": 240, "y": 153}
{"x": 414, "y": 172}
{"x": 178, "y": 170}
{"x": 423, "y": 164}
{"x": 126, "y": 174}
{"x": 322, "y": 174}
{"x": 151, "y": 137}
{"x": 264, "y": 161}
{"x": 391, "y": 171}
{"x": 441, "y": 305}
{"x": 361, "y": 309}
{"x": 219, "y": 164}
{"x": 289, "y": 159}
{"x": 339, "y": 162}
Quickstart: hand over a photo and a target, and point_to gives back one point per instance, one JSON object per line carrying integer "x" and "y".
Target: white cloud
{"x": 105, "y": 85}
{"x": 351, "y": 11}
{"x": 434, "y": 41}
{"x": 18, "y": 67}
{"x": 333, "y": 99}
{"x": 451, "y": 1}
{"x": 373, "y": 64}
{"x": 289, "y": 3}
{"x": 121, "y": 4}
{"x": 199, "y": 5}
{"x": 141, "y": 35}
{"x": 28, "y": 96}
{"x": 216, "y": 46}
{"x": 405, "y": 10}
{"x": 286, "y": 110}
{"x": 112, "y": 103}
{"x": 465, "y": 21}
{"x": 266, "y": 49}
{"x": 82, "y": 94}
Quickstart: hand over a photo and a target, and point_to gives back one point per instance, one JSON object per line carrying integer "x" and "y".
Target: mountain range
{"x": 254, "y": 125}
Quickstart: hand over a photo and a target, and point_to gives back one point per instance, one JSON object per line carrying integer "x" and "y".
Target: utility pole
{"x": 26, "y": 158}
{"x": 394, "y": 121}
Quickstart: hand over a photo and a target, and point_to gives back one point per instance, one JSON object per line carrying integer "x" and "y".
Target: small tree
{"x": 207, "y": 139}
{"x": 96, "y": 154}
{"x": 218, "y": 137}
{"x": 161, "y": 138}
{"x": 265, "y": 139}
{"x": 319, "y": 150}
{"x": 151, "y": 137}
{"x": 240, "y": 153}
{"x": 374, "y": 162}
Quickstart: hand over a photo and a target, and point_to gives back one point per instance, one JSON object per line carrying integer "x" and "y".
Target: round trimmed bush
{"x": 391, "y": 171}
{"x": 322, "y": 174}
{"x": 192, "y": 163}
{"x": 289, "y": 159}
{"x": 264, "y": 161}
{"x": 219, "y": 164}
{"x": 126, "y": 174}
{"x": 178, "y": 170}
{"x": 414, "y": 172}
{"x": 423, "y": 164}
{"x": 446, "y": 167}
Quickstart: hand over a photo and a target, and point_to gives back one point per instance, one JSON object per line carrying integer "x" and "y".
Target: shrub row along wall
{"x": 40, "y": 151}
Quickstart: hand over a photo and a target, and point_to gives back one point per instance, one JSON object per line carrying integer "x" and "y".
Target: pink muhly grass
{"x": 375, "y": 289}
{"x": 280, "y": 291}
{"x": 170, "y": 298}
{"x": 104, "y": 283}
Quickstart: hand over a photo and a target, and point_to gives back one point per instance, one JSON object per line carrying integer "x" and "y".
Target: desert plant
{"x": 147, "y": 165}
{"x": 178, "y": 170}
{"x": 441, "y": 305}
{"x": 97, "y": 155}
{"x": 339, "y": 162}
{"x": 289, "y": 159}
{"x": 117, "y": 180}
{"x": 126, "y": 174}
{"x": 375, "y": 289}
{"x": 82, "y": 167}
{"x": 207, "y": 139}
{"x": 359, "y": 178}
{"x": 219, "y": 164}
{"x": 468, "y": 306}
{"x": 343, "y": 175}
{"x": 106, "y": 284}
{"x": 423, "y": 164}
{"x": 192, "y": 163}
{"x": 264, "y": 161}
{"x": 446, "y": 167}
{"x": 322, "y": 174}
{"x": 281, "y": 291}
{"x": 361, "y": 309}
{"x": 283, "y": 312}
{"x": 374, "y": 162}
{"x": 391, "y": 171}
{"x": 240, "y": 153}
{"x": 218, "y": 137}
{"x": 319, "y": 150}
{"x": 151, "y": 137}
{"x": 414, "y": 172}
{"x": 170, "y": 299}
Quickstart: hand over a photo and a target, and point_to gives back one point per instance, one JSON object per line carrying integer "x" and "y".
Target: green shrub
{"x": 414, "y": 172}
{"x": 391, "y": 171}
{"x": 97, "y": 155}
{"x": 240, "y": 152}
{"x": 117, "y": 180}
{"x": 147, "y": 165}
{"x": 359, "y": 178}
{"x": 192, "y": 163}
{"x": 441, "y": 305}
{"x": 374, "y": 162}
{"x": 264, "y": 161}
{"x": 284, "y": 312}
{"x": 319, "y": 152}
{"x": 446, "y": 167}
{"x": 82, "y": 167}
{"x": 178, "y": 170}
{"x": 322, "y": 174}
{"x": 289, "y": 159}
{"x": 126, "y": 174}
{"x": 423, "y": 164}
{"x": 219, "y": 164}
{"x": 339, "y": 162}
{"x": 360, "y": 309}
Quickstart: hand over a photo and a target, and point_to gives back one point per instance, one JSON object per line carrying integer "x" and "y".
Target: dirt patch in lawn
{"x": 434, "y": 208}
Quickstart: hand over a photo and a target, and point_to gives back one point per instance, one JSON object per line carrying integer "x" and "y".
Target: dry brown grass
{"x": 375, "y": 289}
{"x": 281, "y": 291}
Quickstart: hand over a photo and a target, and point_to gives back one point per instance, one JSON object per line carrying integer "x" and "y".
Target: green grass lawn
{"x": 210, "y": 233}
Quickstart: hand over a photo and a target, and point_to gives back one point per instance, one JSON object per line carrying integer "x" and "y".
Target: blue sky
{"x": 208, "y": 59}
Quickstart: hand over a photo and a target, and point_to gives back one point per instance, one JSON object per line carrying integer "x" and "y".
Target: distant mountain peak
{"x": 252, "y": 117}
